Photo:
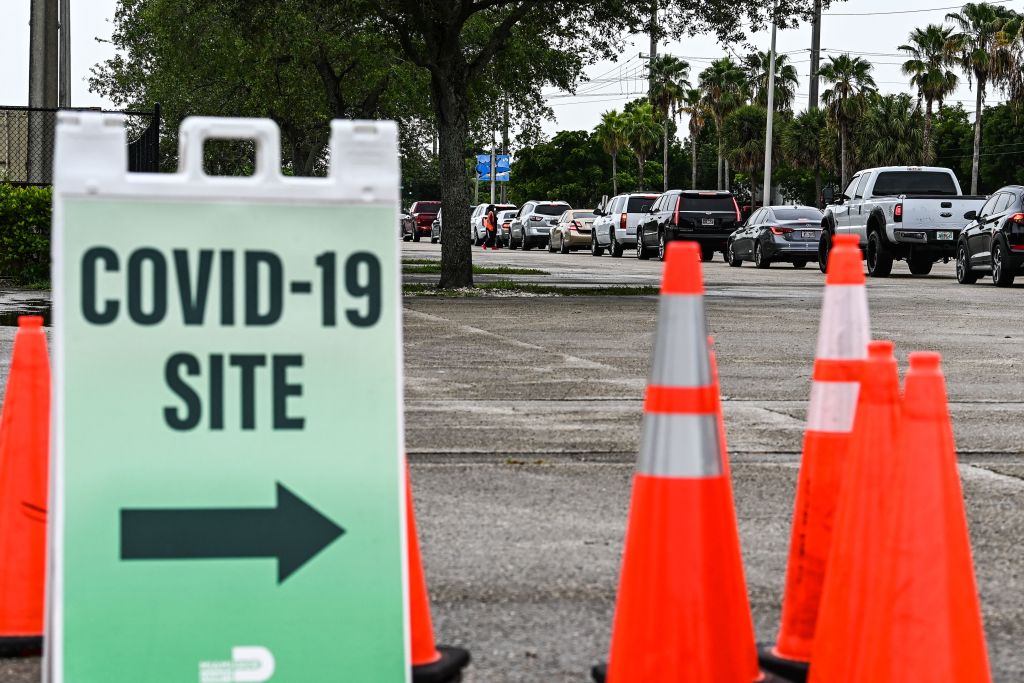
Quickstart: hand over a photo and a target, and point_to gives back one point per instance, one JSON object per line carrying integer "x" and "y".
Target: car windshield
{"x": 640, "y": 204}
{"x": 582, "y": 214}
{"x": 797, "y": 214}
{"x": 914, "y": 182}
{"x": 551, "y": 209}
{"x": 426, "y": 207}
{"x": 691, "y": 203}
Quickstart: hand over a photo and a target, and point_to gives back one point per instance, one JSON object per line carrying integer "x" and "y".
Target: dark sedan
{"x": 777, "y": 233}
{"x": 993, "y": 241}
{"x": 705, "y": 217}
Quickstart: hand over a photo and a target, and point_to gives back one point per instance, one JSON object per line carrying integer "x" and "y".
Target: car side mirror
{"x": 971, "y": 215}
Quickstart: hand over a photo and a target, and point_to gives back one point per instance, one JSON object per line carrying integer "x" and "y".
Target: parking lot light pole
{"x": 770, "y": 117}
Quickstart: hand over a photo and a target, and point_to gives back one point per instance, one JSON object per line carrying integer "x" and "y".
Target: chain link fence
{"x": 27, "y": 135}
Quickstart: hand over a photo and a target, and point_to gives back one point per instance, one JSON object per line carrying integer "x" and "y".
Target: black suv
{"x": 994, "y": 239}
{"x": 705, "y": 217}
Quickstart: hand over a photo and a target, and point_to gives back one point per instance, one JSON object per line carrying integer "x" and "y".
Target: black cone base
{"x": 600, "y": 672}
{"x": 28, "y": 646}
{"x": 448, "y": 669}
{"x": 790, "y": 669}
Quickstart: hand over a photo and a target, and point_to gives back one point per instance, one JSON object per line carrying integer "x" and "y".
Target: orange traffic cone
{"x": 851, "y": 603}
{"x": 843, "y": 335}
{"x": 681, "y": 612}
{"x": 430, "y": 663}
{"x": 931, "y": 628}
{"x": 24, "y": 458}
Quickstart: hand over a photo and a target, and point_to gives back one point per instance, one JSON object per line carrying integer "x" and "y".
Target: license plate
{"x": 807, "y": 234}
{"x": 944, "y": 235}
{"x": 707, "y": 221}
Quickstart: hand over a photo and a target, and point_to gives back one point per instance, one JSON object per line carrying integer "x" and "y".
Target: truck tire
{"x": 879, "y": 257}
{"x": 706, "y": 254}
{"x": 824, "y": 247}
{"x": 919, "y": 265}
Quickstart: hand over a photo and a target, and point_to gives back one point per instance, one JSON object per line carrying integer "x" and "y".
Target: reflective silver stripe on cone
{"x": 681, "y": 347}
{"x": 844, "y": 330}
{"x": 832, "y": 406}
{"x": 680, "y": 446}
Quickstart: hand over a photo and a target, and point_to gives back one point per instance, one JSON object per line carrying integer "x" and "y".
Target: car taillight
{"x": 574, "y": 225}
{"x": 622, "y": 221}
{"x": 897, "y": 213}
{"x": 1017, "y": 218}
{"x": 781, "y": 231}
{"x": 736, "y": 206}
{"x": 675, "y": 216}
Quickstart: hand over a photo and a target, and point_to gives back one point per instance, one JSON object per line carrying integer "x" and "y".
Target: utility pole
{"x": 42, "y": 88}
{"x": 494, "y": 167}
{"x": 64, "y": 70}
{"x": 653, "y": 32}
{"x": 768, "y": 126}
{"x": 812, "y": 89}
{"x": 504, "y": 148}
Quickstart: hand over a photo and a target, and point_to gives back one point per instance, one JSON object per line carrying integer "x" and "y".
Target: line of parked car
{"x": 916, "y": 214}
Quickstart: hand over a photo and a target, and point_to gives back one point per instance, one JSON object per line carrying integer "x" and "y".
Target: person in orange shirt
{"x": 491, "y": 223}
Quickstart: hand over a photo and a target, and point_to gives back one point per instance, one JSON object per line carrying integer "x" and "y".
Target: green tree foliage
{"x": 570, "y": 167}
{"x": 890, "y": 131}
{"x": 724, "y": 86}
{"x": 611, "y": 133}
{"x": 743, "y": 132}
{"x": 850, "y": 81}
{"x": 693, "y": 105}
{"x": 803, "y": 146}
{"x": 928, "y": 68}
{"x": 977, "y": 48}
{"x": 757, "y": 66}
{"x": 643, "y": 131}
{"x": 25, "y": 233}
{"x": 1003, "y": 160}
{"x": 668, "y": 87}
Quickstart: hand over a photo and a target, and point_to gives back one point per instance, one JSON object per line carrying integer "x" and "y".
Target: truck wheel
{"x": 964, "y": 274}
{"x": 1002, "y": 272}
{"x": 799, "y": 264}
{"x": 919, "y": 265}
{"x": 706, "y": 254}
{"x": 879, "y": 257}
{"x": 663, "y": 247}
{"x": 616, "y": 248}
{"x": 642, "y": 253}
{"x": 824, "y": 246}
{"x": 595, "y": 248}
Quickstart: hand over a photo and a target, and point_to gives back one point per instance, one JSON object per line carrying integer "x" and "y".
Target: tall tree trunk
{"x": 817, "y": 185}
{"x": 979, "y": 103}
{"x": 641, "y": 161}
{"x": 843, "y": 179}
{"x": 615, "y": 174}
{"x": 720, "y": 160}
{"x": 728, "y": 180}
{"x": 451, "y": 106}
{"x": 693, "y": 170}
{"x": 664, "y": 145}
{"x": 753, "y": 191}
{"x": 927, "y": 155}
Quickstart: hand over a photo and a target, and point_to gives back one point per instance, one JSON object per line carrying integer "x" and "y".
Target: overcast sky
{"x": 871, "y": 28}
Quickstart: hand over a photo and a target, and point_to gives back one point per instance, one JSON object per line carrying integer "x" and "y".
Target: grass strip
{"x": 434, "y": 267}
{"x": 513, "y": 288}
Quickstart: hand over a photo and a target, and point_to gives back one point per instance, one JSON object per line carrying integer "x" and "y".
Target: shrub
{"x": 25, "y": 233}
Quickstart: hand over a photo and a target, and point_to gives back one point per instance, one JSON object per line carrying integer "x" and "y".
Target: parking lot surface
{"x": 523, "y": 422}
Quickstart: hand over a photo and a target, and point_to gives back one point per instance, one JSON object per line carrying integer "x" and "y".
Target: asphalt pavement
{"x": 523, "y": 422}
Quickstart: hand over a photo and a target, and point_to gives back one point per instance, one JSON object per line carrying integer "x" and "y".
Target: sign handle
{"x": 196, "y": 130}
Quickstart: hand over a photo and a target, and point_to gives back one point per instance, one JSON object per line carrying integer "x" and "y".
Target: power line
{"x": 904, "y": 11}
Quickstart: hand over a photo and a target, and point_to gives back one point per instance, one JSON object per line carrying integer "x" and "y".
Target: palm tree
{"x": 975, "y": 46}
{"x": 928, "y": 73}
{"x": 668, "y": 84}
{"x": 611, "y": 133}
{"x": 851, "y": 81}
{"x": 693, "y": 104}
{"x": 801, "y": 144}
{"x": 643, "y": 131}
{"x": 744, "y": 133}
{"x": 757, "y": 66}
{"x": 724, "y": 86}
{"x": 892, "y": 130}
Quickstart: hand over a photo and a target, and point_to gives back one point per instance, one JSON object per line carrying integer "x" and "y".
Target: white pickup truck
{"x": 912, "y": 213}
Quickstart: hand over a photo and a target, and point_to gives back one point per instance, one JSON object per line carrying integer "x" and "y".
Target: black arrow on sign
{"x": 293, "y": 532}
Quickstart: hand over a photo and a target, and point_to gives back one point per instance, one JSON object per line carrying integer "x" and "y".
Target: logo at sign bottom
{"x": 249, "y": 664}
